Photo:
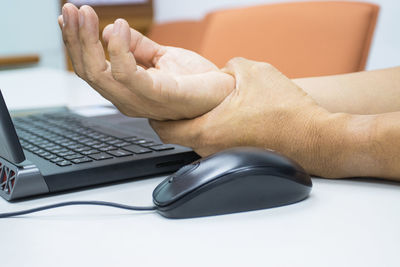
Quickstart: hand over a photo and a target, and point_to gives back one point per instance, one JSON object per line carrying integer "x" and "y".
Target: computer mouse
{"x": 235, "y": 180}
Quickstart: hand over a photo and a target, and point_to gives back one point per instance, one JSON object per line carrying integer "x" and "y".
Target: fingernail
{"x": 81, "y": 18}
{"x": 117, "y": 26}
{"x": 65, "y": 16}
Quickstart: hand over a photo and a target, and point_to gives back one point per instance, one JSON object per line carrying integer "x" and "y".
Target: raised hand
{"x": 169, "y": 83}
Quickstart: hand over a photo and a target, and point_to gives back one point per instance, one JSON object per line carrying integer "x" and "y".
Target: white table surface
{"x": 342, "y": 223}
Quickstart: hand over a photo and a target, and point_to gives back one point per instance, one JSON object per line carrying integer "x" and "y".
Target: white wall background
{"x": 28, "y": 26}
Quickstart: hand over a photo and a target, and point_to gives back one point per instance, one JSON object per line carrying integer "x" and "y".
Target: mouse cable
{"x": 72, "y": 203}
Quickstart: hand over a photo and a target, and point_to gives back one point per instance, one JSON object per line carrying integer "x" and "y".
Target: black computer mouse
{"x": 234, "y": 180}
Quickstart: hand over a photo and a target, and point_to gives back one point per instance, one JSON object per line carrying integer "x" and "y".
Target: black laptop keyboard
{"x": 65, "y": 141}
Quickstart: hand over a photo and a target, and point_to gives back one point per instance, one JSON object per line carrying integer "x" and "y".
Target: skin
{"x": 366, "y": 92}
{"x": 190, "y": 102}
{"x": 166, "y": 75}
{"x": 277, "y": 114}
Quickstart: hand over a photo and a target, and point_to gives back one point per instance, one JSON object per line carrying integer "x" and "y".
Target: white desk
{"x": 342, "y": 223}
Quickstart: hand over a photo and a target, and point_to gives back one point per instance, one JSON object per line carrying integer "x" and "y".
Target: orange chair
{"x": 301, "y": 39}
{"x": 185, "y": 34}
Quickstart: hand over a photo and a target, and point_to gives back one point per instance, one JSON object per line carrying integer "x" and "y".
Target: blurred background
{"x": 29, "y": 31}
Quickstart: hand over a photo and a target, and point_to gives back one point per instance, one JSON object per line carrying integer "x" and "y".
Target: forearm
{"x": 358, "y": 146}
{"x": 368, "y": 92}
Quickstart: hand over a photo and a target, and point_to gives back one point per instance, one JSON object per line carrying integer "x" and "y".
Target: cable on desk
{"x": 72, "y": 203}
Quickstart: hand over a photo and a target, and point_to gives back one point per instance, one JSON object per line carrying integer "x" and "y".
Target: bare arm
{"x": 358, "y": 145}
{"x": 367, "y": 92}
{"x": 268, "y": 110}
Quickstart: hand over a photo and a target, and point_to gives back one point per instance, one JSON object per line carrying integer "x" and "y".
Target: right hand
{"x": 173, "y": 83}
{"x": 266, "y": 110}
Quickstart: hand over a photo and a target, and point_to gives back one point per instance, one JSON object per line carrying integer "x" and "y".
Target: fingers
{"x": 92, "y": 50}
{"x": 146, "y": 51}
{"x": 70, "y": 33}
{"x": 122, "y": 61}
{"x": 80, "y": 34}
{"x": 123, "y": 64}
{"x": 96, "y": 68}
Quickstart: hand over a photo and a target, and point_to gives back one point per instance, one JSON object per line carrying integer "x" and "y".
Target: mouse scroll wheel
{"x": 183, "y": 170}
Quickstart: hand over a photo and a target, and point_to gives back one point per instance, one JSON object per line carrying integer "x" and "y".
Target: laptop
{"x": 68, "y": 149}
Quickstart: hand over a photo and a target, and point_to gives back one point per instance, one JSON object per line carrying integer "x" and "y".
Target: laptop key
{"x": 141, "y": 141}
{"x": 81, "y": 149}
{"x": 74, "y": 156}
{"x": 150, "y": 144}
{"x": 99, "y": 145}
{"x": 92, "y": 143}
{"x": 113, "y": 141}
{"x": 67, "y": 153}
{"x": 106, "y": 139}
{"x": 130, "y": 139}
{"x": 81, "y": 160}
{"x": 43, "y": 154}
{"x": 64, "y": 163}
{"x": 162, "y": 147}
{"x": 50, "y": 157}
{"x": 90, "y": 152}
{"x": 101, "y": 156}
{"x": 57, "y": 159}
{"x": 122, "y": 144}
{"x": 34, "y": 149}
{"x": 107, "y": 148}
{"x": 119, "y": 153}
{"x": 138, "y": 149}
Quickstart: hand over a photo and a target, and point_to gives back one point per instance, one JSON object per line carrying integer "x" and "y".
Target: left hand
{"x": 143, "y": 78}
{"x": 265, "y": 110}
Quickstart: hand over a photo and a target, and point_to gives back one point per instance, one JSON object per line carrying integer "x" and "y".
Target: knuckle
{"x": 90, "y": 76}
{"x": 119, "y": 75}
{"x": 114, "y": 49}
{"x": 66, "y": 38}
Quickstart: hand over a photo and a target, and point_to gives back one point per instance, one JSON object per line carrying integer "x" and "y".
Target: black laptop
{"x": 68, "y": 149}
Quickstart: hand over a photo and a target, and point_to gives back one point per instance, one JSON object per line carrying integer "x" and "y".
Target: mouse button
{"x": 182, "y": 171}
{"x": 170, "y": 190}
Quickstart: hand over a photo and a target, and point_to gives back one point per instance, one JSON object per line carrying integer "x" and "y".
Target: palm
{"x": 171, "y": 60}
{"x": 178, "y": 61}
{"x": 177, "y": 73}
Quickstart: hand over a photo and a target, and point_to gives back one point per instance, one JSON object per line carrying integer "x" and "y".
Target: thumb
{"x": 145, "y": 51}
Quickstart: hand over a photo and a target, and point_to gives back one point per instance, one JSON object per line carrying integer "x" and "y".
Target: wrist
{"x": 344, "y": 146}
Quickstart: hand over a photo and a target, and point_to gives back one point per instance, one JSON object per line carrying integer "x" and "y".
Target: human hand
{"x": 169, "y": 83}
{"x": 266, "y": 109}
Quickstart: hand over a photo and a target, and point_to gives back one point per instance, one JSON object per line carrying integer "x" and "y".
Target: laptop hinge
{"x": 20, "y": 180}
